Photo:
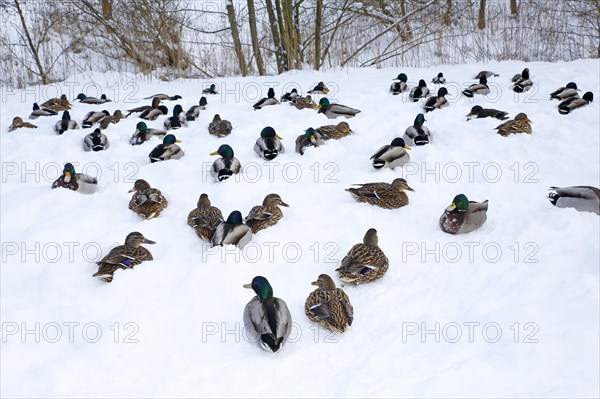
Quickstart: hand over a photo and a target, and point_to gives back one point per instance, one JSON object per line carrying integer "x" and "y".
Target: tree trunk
{"x": 107, "y": 9}
{"x": 514, "y": 8}
{"x": 405, "y": 32}
{"x": 481, "y": 19}
{"x": 447, "y": 18}
{"x": 283, "y": 35}
{"x": 254, "y": 34}
{"x": 237, "y": 44}
{"x": 36, "y": 56}
{"x": 276, "y": 37}
{"x": 318, "y": 23}
{"x": 291, "y": 38}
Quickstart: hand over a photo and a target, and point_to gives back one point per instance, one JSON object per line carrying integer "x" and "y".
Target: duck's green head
{"x": 69, "y": 170}
{"x": 399, "y": 142}
{"x": 442, "y": 91}
{"x": 177, "y": 110}
{"x": 80, "y": 97}
{"x": 419, "y": 120}
{"x": 572, "y": 85}
{"x": 203, "y": 101}
{"x": 460, "y": 202}
{"x": 224, "y": 150}
{"x": 402, "y": 77}
{"x": 261, "y": 286}
{"x": 271, "y": 93}
{"x": 310, "y": 134}
{"x": 588, "y": 96}
{"x": 66, "y": 116}
{"x": 163, "y": 109}
{"x": 323, "y": 104}
{"x": 170, "y": 139}
{"x": 235, "y": 217}
{"x": 213, "y": 86}
{"x": 269, "y": 132}
{"x": 422, "y": 83}
{"x": 141, "y": 127}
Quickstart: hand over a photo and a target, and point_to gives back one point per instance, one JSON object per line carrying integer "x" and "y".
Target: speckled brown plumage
{"x": 205, "y": 218}
{"x": 265, "y": 215}
{"x": 334, "y": 132}
{"x": 364, "y": 262}
{"x": 303, "y": 102}
{"x": 521, "y": 124}
{"x": 329, "y": 306}
{"x": 146, "y": 201}
{"x": 57, "y": 104}
{"x": 384, "y": 195}
{"x": 18, "y": 123}
{"x": 124, "y": 256}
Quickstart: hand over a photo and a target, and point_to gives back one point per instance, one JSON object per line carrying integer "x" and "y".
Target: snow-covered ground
{"x": 511, "y": 310}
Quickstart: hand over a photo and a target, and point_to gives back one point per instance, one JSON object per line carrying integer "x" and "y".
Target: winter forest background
{"x": 46, "y": 41}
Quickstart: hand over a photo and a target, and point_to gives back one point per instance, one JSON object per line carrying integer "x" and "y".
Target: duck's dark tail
{"x": 269, "y": 342}
{"x": 467, "y": 93}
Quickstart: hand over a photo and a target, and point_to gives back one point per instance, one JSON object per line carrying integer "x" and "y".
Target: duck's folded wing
{"x": 258, "y": 213}
{"x": 86, "y": 178}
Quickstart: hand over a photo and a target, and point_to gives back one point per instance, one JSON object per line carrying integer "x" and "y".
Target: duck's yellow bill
{"x": 214, "y": 153}
{"x": 178, "y": 141}
{"x": 247, "y": 285}
{"x": 278, "y": 137}
{"x": 407, "y": 147}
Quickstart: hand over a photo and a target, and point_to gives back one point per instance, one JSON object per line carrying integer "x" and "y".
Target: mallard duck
{"x": 304, "y": 102}
{"x": 383, "y": 195}
{"x": 114, "y": 118}
{"x": 205, "y": 218}
{"x": 57, "y": 104}
{"x": 268, "y": 145}
{"x": 521, "y": 124}
{"x": 37, "y": 112}
{"x": 155, "y": 104}
{"x": 310, "y": 138}
{"x": 177, "y": 120}
{"x": 96, "y": 141}
{"x": 18, "y": 123}
{"x": 124, "y": 256}
{"x": 437, "y": 102}
{"x": 420, "y": 91}
{"x": 79, "y": 182}
{"x": 522, "y": 82}
{"x": 478, "y": 112}
{"x": 164, "y": 97}
{"x": 439, "y": 79}
{"x": 92, "y": 100}
{"x": 289, "y": 96}
{"x": 232, "y": 231}
{"x": 400, "y": 86}
{"x": 333, "y": 111}
{"x": 219, "y": 127}
{"x": 329, "y": 306}
{"x": 477, "y": 88}
{"x": 212, "y": 89}
{"x": 391, "y": 155}
{"x": 92, "y": 117}
{"x": 152, "y": 114}
{"x": 194, "y": 110}
{"x": 142, "y": 133}
{"x": 320, "y": 88}
{"x": 582, "y": 198}
{"x": 562, "y": 93}
{"x": 65, "y": 123}
{"x": 267, "y": 319}
{"x": 572, "y": 103}
{"x": 365, "y": 261}
{"x": 265, "y": 215}
{"x": 487, "y": 74}
{"x": 334, "y": 132}
{"x": 269, "y": 100}
{"x": 167, "y": 150}
{"x": 463, "y": 216}
{"x": 146, "y": 201}
{"x": 417, "y": 134}
{"x": 226, "y": 166}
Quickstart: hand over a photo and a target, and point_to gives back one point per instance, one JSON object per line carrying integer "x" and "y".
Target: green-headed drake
{"x": 92, "y": 100}
{"x": 310, "y": 138}
{"x": 205, "y": 218}
{"x": 439, "y": 79}
{"x": 154, "y": 113}
{"x": 154, "y": 105}
{"x": 521, "y": 81}
{"x": 365, "y": 261}
{"x": 143, "y": 133}
{"x": 265, "y": 215}
{"x": 167, "y": 150}
{"x": 417, "y": 134}
{"x": 37, "y": 112}
{"x": 391, "y": 155}
{"x": 479, "y": 112}
{"x": 219, "y": 127}
{"x": 329, "y": 306}
{"x": 177, "y": 120}
{"x": 487, "y": 74}
{"x": 333, "y": 111}
{"x": 226, "y": 166}
{"x": 233, "y": 231}
{"x": 95, "y": 141}
{"x": 269, "y": 100}
{"x": 267, "y": 319}
{"x": 289, "y": 96}
{"x": 582, "y": 198}
{"x": 79, "y": 182}
{"x": 146, "y": 201}
{"x": 65, "y": 123}
{"x": 562, "y": 93}
{"x": 463, "y": 216}
{"x": 383, "y": 195}
{"x": 477, "y": 88}
{"x": 124, "y": 256}
{"x": 419, "y": 91}
{"x": 573, "y": 103}
{"x": 320, "y": 88}
{"x": 437, "y": 102}
{"x": 212, "y": 89}
{"x": 194, "y": 111}
{"x": 268, "y": 145}
{"x": 164, "y": 97}
{"x": 400, "y": 86}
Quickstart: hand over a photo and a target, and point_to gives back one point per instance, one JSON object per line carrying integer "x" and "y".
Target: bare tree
{"x": 481, "y": 19}
{"x": 237, "y": 43}
{"x": 254, "y": 34}
{"x": 318, "y": 27}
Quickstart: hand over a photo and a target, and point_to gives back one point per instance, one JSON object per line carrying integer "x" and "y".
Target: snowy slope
{"x": 530, "y": 264}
